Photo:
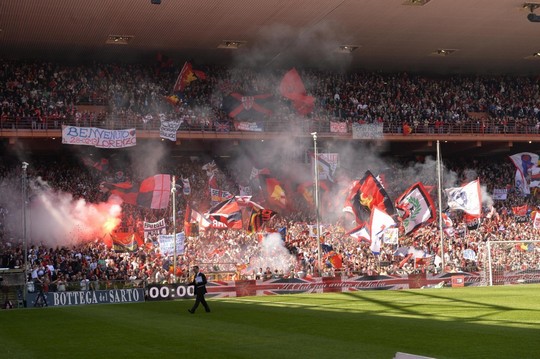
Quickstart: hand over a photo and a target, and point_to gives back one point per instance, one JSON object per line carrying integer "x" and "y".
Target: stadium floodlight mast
{"x": 24, "y": 195}
{"x": 173, "y": 194}
{"x": 317, "y": 233}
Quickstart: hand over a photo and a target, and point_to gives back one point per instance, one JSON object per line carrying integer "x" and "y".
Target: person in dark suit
{"x": 199, "y": 282}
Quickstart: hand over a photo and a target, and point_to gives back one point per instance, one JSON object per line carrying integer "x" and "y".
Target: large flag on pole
{"x": 526, "y": 164}
{"x": 187, "y": 75}
{"x": 418, "y": 207}
{"x": 292, "y": 87}
{"x": 467, "y": 198}
{"x": 153, "y": 192}
{"x": 379, "y": 222}
{"x": 364, "y": 195}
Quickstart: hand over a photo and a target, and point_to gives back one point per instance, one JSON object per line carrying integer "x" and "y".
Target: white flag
{"x": 467, "y": 198}
{"x": 418, "y": 207}
{"x": 526, "y": 164}
{"x": 379, "y": 222}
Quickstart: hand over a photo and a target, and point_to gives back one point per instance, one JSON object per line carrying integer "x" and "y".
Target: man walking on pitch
{"x": 199, "y": 282}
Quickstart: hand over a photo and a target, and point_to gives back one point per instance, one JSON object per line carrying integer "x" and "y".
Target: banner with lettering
{"x": 500, "y": 194}
{"x": 247, "y": 126}
{"x": 154, "y": 229}
{"x": 367, "y": 130}
{"x": 168, "y": 129}
{"x": 98, "y": 137}
{"x": 166, "y": 243}
{"x": 338, "y": 127}
{"x": 55, "y": 299}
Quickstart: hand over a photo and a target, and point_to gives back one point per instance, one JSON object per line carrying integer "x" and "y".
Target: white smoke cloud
{"x": 273, "y": 254}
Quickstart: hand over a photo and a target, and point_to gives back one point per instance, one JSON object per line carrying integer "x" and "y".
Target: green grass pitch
{"x": 474, "y": 322}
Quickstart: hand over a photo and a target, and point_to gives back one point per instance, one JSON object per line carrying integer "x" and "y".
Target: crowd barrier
{"x": 321, "y": 125}
{"x": 101, "y": 292}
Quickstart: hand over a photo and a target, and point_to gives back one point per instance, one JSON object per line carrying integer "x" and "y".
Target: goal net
{"x": 513, "y": 262}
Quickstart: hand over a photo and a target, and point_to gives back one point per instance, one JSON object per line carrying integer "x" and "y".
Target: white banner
{"x": 166, "y": 243}
{"x": 168, "y": 129}
{"x": 153, "y": 229}
{"x": 98, "y": 137}
{"x": 500, "y": 194}
{"x": 367, "y": 130}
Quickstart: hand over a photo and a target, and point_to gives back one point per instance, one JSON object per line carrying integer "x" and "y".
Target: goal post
{"x": 513, "y": 262}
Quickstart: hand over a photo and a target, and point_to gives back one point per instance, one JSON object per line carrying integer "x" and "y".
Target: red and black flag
{"x": 248, "y": 107}
{"x": 273, "y": 192}
{"x": 259, "y": 216}
{"x": 153, "y": 192}
{"x": 228, "y": 212}
{"x": 186, "y": 76}
{"x": 365, "y": 194}
{"x": 125, "y": 190}
{"x": 102, "y": 165}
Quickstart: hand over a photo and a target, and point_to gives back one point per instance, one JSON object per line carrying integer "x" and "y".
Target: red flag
{"x": 125, "y": 241}
{"x": 259, "y": 216}
{"x": 227, "y": 212}
{"x": 273, "y": 192}
{"x": 187, "y": 221}
{"x": 366, "y": 194}
{"x": 154, "y": 192}
{"x": 406, "y": 129}
{"x": 520, "y": 210}
{"x": 187, "y": 75}
{"x": 125, "y": 190}
{"x": 293, "y": 88}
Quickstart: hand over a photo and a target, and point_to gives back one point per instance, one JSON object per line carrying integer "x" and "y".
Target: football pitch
{"x": 470, "y": 322}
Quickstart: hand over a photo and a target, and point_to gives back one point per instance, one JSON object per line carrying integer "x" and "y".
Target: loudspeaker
{"x": 533, "y": 17}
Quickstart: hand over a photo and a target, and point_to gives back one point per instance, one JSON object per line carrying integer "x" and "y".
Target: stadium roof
{"x": 436, "y": 36}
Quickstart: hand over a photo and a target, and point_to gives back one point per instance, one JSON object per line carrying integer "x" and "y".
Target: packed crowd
{"x": 41, "y": 95}
{"x": 236, "y": 254}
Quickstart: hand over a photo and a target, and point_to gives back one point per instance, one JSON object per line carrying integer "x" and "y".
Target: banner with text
{"x": 168, "y": 129}
{"x": 154, "y": 229}
{"x": 367, "y": 130}
{"x": 166, "y": 243}
{"x": 98, "y": 137}
{"x": 54, "y": 299}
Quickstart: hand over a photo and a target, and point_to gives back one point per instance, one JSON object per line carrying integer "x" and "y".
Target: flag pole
{"x": 173, "y": 194}
{"x": 25, "y": 229}
{"x": 319, "y": 248}
{"x": 439, "y": 190}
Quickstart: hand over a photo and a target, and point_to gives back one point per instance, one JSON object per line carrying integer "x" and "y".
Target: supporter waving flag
{"x": 292, "y": 87}
{"x": 417, "y": 206}
{"x": 273, "y": 192}
{"x": 227, "y": 212}
{"x": 366, "y": 194}
{"x": 467, "y": 198}
{"x": 153, "y": 192}
{"x": 186, "y": 76}
{"x": 258, "y": 218}
{"x": 379, "y": 222}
